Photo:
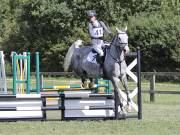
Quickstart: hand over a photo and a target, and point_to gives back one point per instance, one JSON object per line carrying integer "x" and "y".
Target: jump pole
{"x": 3, "y": 84}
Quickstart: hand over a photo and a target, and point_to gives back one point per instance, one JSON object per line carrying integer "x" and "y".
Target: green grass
{"x": 159, "y": 118}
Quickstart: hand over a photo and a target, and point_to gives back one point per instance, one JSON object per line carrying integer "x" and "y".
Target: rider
{"x": 96, "y": 30}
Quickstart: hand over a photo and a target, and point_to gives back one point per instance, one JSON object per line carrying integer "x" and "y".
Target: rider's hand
{"x": 111, "y": 35}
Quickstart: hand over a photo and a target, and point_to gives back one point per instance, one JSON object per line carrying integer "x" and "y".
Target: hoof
{"x": 91, "y": 85}
{"x": 129, "y": 108}
{"x": 122, "y": 112}
{"x": 85, "y": 85}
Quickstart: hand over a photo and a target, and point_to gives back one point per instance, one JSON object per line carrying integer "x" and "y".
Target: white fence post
{"x": 3, "y": 85}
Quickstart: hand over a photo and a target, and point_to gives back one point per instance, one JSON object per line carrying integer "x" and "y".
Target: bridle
{"x": 120, "y": 47}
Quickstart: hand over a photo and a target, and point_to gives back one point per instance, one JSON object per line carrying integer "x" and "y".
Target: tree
{"x": 51, "y": 26}
{"x": 158, "y": 37}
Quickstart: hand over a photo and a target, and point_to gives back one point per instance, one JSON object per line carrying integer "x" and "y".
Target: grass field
{"x": 159, "y": 118}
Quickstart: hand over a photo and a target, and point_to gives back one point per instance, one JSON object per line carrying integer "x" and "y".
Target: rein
{"x": 116, "y": 59}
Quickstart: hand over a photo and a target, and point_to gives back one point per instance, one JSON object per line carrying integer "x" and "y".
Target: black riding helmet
{"x": 91, "y": 13}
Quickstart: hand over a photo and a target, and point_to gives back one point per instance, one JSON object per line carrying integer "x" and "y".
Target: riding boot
{"x": 100, "y": 60}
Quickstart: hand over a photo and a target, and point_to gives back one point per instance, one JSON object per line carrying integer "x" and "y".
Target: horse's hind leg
{"x": 115, "y": 82}
{"x": 91, "y": 84}
{"x": 84, "y": 82}
{"x": 125, "y": 85}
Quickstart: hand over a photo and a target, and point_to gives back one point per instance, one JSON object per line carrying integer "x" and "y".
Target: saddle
{"x": 94, "y": 57}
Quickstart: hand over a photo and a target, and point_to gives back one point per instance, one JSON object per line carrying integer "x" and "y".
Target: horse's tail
{"x": 67, "y": 60}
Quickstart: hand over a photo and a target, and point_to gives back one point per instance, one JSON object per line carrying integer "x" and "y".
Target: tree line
{"x": 51, "y": 26}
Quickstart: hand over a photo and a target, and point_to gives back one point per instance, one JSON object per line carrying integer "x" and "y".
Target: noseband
{"x": 117, "y": 42}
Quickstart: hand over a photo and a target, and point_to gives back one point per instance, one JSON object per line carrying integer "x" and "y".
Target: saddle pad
{"x": 92, "y": 57}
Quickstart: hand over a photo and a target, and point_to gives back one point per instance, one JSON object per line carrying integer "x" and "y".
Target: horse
{"x": 114, "y": 66}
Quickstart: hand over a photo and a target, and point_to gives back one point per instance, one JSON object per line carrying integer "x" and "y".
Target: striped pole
{"x": 76, "y": 87}
{"x": 66, "y": 95}
{"x": 51, "y": 108}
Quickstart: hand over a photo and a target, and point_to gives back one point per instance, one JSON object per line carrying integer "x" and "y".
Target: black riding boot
{"x": 100, "y": 60}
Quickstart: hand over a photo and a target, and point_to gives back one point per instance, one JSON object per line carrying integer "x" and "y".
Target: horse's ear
{"x": 125, "y": 28}
{"x": 117, "y": 30}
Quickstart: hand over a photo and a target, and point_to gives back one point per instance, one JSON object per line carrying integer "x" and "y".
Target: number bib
{"x": 98, "y": 32}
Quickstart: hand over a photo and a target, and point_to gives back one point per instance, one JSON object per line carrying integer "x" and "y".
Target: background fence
{"x": 167, "y": 88}
{"x": 152, "y": 82}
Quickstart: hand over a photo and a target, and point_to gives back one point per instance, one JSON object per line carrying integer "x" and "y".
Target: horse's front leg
{"x": 115, "y": 82}
{"x": 125, "y": 85}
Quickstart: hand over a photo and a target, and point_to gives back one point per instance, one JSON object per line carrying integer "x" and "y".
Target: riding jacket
{"x": 96, "y": 31}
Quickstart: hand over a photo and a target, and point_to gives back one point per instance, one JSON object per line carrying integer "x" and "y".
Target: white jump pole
{"x": 3, "y": 85}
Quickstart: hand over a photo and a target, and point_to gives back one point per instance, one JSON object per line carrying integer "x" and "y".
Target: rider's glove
{"x": 111, "y": 35}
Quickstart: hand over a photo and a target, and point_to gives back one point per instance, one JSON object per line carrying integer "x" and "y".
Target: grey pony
{"x": 114, "y": 67}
